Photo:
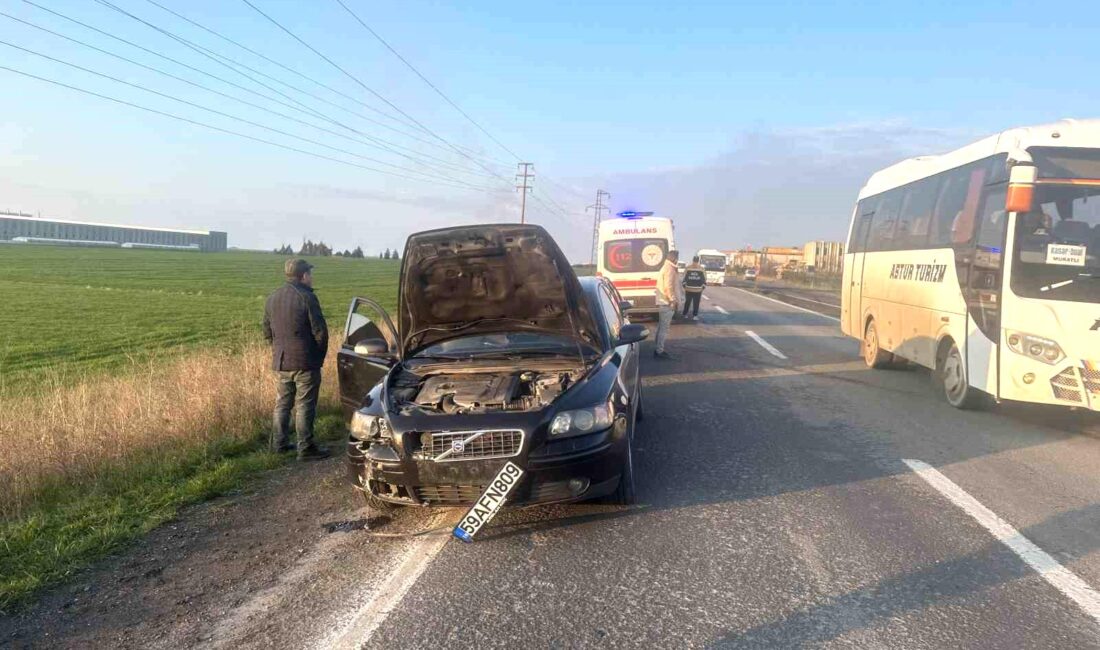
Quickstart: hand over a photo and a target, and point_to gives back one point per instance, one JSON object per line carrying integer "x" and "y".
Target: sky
{"x": 748, "y": 123}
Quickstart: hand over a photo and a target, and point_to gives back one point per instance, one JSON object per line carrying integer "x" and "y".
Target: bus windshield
{"x": 713, "y": 262}
{"x": 1058, "y": 244}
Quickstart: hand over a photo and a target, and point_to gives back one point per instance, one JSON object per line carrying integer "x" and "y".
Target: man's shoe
{"x": 662, "y": 354}
{"x": 313, "y": 452}
{"x": 282, "y": 449}
{"x": 694, "y": 318}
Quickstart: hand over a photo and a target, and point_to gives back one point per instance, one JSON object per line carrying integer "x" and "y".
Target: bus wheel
{"x": 873, "y": 355}
{"x": 951, "y": 376}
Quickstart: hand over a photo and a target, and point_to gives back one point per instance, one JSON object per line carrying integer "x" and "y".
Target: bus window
{"x": 916, "y": 213}
{"x": 864, "y": 212}
{"x": 886, "y": 216}
{"x": 962, "y": 229}
{"x": 948, "y": 206}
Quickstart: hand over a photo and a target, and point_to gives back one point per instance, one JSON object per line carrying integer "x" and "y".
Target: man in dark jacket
{"x": 695, "y": 280}
{"x": 298, "y": 334}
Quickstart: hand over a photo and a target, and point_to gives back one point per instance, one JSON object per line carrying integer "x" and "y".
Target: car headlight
{"x": 367, "y": 427}
{"x": 1036, "y": 347}
{"x": 581, "y": 421}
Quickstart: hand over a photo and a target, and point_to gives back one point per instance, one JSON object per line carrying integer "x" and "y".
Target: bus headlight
{"x": 1035, "y": 347}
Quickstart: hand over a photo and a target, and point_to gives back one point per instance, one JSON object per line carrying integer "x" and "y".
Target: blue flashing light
{"x": 631, "y": 214}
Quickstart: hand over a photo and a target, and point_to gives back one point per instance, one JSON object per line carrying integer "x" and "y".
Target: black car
{"x": 499, "y": 353}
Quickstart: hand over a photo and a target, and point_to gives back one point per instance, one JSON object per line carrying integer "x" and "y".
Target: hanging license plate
{"x": 490, "y": 501}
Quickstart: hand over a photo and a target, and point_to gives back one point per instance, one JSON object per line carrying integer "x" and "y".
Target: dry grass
{"x": 71, "y": 433}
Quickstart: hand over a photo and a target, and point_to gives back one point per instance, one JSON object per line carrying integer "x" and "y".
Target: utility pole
{"x": 524, "y": 175}
{"x": 598, "y": 209}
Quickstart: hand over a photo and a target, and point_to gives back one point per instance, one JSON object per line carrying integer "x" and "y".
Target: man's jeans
{"x": 664, "y": 322}
{"x": 692, "y": 302}
{"x": 297, "y": 389}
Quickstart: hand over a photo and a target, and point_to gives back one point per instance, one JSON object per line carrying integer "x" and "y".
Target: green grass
{"x": 73, "y": 311}
{"x": 75, "y": 525}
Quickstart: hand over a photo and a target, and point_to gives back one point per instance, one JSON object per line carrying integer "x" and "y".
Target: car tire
{"x": 873, "y": 354}
{"x": 950, "y": 377}
{"x": 374, "y": 503}
{"x": 624, "y": 492}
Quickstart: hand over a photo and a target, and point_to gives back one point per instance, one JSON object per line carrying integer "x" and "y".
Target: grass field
{"x": 133, "y": 383}
{"x": 72, "y": 312}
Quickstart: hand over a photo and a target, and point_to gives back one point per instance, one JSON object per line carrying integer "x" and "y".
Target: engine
{"x": 480, "y": 393}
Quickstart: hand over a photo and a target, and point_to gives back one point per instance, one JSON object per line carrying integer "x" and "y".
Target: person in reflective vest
{"x": 695, "y": 280}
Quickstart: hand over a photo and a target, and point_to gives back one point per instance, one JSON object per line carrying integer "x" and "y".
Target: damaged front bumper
{"x": 571, "y": 469}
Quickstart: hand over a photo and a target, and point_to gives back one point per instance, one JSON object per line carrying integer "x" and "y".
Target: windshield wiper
{"x": 1064, "y": 283}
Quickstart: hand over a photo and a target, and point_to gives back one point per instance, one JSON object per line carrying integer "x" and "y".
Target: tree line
{"x": 321, "y": 249}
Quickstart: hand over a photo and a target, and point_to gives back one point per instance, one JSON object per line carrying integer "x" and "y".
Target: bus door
{"x": 866, "y": 213}
{"x": 981, "y": 267}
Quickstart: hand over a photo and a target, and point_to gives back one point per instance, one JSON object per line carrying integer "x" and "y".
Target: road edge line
{"x": 388, "y": 595}
{"x": 808, "y": 311}
{"x": 1061, "y": 578}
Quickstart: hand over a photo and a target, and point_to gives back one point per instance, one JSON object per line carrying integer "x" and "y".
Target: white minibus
{"x": 983, "y": 264}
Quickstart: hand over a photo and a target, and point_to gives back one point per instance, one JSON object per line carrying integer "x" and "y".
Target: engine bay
{"x": 479, "y": 392}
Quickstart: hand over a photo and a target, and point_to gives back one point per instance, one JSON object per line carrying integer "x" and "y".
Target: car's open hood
{"x": 500, "y": 273}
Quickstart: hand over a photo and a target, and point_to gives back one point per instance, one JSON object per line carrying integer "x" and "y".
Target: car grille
{"x": 484, "y": 444}
{"x": 449, "y": 494}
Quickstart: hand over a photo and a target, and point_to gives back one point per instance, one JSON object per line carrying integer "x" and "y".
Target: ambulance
{"x": 630, "y": 252}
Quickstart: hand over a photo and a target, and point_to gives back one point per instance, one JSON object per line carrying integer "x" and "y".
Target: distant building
{"x": 780, "y": 257}
{"x": 24, "y": 228}
{"x": 746, "y": 258}
{"x": 823, "y": 256}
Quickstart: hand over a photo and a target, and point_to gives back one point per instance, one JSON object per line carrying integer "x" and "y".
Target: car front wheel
{"x": 624, "y": 493}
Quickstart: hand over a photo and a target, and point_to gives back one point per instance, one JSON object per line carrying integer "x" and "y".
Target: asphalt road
{"x": 789, "y": 497}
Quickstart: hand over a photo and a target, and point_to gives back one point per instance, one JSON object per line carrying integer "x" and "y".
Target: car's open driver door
{"x": 366, "y": 354}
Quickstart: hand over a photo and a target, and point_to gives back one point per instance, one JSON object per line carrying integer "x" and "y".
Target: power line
{"x": 212, "y": 127}
{"x": 227, "y": 115}
{"x": 425, "y": 79}
{"x": 364, "y": 86}
{"x": 279, "y": 64}
{"x": 238, "y": 99}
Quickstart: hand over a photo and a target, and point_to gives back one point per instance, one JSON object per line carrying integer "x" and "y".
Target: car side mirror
{"x": 372, "y": 348}
{"x": 625, "y": 306}
{"x": 632, "y": 333}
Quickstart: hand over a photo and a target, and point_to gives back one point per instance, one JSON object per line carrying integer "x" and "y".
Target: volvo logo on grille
{"x": 458, "y": 446}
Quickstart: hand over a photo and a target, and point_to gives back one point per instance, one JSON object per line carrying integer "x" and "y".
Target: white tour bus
{"x": 983, "y": 265}
{"x": 714, "y": 262}
{"x": 631, "y": 251}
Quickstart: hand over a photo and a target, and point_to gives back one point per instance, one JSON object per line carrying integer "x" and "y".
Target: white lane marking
{"x": 385, "y": 597}
{"x": 816, "y": 302}
{"x": 706, "y": 297}
{"x": 1057, "y": 575}
{"x": 722, "y": 309}
{"x": 764, "y": 344}
{"x": 808, "y": 311}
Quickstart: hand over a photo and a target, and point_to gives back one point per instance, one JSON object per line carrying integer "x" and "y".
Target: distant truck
{"x": 714, "y": 263}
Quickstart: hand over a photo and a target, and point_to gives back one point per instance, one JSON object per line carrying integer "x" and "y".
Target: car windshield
{"x": 501, "y": 343}
{"x": 1058, "y": 245}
